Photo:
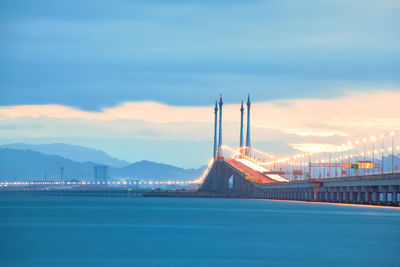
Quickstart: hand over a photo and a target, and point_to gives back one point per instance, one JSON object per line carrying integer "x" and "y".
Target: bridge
{"x": 363, "y": 171}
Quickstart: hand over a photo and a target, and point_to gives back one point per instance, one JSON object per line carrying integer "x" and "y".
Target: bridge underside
{"x": 224, "y": 180}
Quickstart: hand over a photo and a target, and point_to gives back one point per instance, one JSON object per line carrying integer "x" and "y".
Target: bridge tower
{"x": 248, "y": 127}
{"x": 241, "y": 129}
{"x": 215, "y": 129}
{"x": 220, "y": 127}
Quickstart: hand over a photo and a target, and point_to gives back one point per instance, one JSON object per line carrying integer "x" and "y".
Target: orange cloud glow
{"x": 301, "y": 120}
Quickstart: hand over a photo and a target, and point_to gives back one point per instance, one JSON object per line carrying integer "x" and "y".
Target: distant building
{"x": 100, "y": 172}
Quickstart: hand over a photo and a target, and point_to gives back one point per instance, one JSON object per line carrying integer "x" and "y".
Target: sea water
{"x": 96, "y": 231}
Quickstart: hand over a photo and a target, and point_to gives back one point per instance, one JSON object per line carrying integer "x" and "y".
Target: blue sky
{"x": 93, "y": 55}
{"x": 96, "y": 54}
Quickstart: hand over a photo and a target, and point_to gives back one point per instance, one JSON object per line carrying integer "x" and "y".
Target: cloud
{"x": 141, "y": 130}
{"x": 314, "y": 148}
{"x": 101, "y": 69}
{"x": 321, "y": 133}
{"x": 99, "y": 55}
{"x": 146, "y": 111}
{"x": 304, "y": 119}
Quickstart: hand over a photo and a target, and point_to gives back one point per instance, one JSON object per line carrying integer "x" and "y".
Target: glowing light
{"x": 252, "y": 165}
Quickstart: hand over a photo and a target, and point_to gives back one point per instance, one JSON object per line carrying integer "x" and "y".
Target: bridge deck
{"x": 383, "y": 189}
{"x": 249, "y": 171}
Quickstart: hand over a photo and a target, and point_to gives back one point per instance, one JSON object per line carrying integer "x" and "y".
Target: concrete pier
{"x": 373, "y": 190}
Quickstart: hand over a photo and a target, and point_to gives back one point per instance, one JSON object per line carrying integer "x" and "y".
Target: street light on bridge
{"x": 364, "y": 141}
{"x": 392, "y": 134}
{"x": 373, "y": 139}
{"x": 382, "y": 152}
{"x": 349, "y": 147}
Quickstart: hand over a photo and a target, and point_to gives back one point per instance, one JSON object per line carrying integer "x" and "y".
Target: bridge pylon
{"x": 248, "y": 127}
{"x": 220, "y": 128}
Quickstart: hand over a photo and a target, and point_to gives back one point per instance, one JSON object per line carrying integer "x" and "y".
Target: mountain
{"x": 156, "y": 171}
{"x": 72, "y": 152}
{"x": 26, "y": 165}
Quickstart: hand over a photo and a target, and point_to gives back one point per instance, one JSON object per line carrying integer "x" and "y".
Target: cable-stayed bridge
{"x": 363, "y": 171}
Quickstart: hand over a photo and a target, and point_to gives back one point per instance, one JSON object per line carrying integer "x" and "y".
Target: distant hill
{"x": 72, "y": 152}
{"x": 28, "y": 165}
{"x": 153, "y": 170}
{"x": 32, "y": 165}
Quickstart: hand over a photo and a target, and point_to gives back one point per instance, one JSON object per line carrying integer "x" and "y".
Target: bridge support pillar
{"x": 358, "y": 190}
{"x": 316, "y": 186}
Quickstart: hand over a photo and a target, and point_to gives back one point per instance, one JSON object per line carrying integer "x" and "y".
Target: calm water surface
{"x": 85, "y": 231}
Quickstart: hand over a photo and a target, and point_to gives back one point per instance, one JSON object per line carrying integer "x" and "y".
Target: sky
{"x": 138, "y": 79}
